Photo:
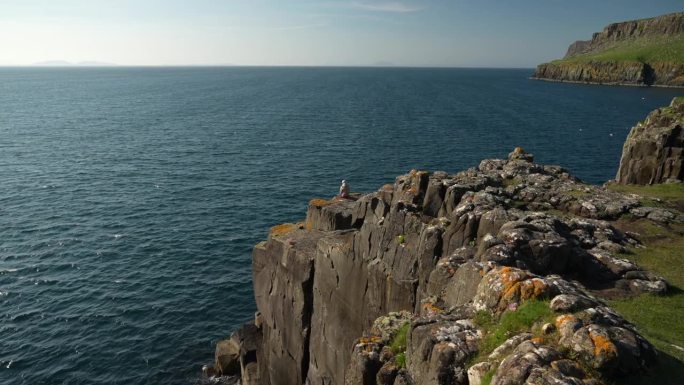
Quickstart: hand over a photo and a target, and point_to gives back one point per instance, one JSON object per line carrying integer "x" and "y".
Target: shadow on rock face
{"x": 668, "y": 371}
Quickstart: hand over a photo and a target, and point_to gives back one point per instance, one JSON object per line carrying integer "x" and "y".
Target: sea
{"x": 131, "y": 198}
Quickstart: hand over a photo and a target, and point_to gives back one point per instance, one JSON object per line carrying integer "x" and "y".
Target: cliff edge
{"x": 638, "y": 52}
{"x": 505, "y": 273}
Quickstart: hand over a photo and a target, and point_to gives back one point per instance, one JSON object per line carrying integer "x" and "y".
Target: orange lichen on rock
{"x": 511, "y": 292}
{"x": 533, "y": 288}
{"x": 370, "y": 340}
{"x": 510, "y": 276}
{"x": 284, "y": 228}
{"x": 320, "y": 202}
{"x": 517, "y": 287}
{"x": 431, "y": 309}
{"x": 603, "y": 346}
{"x": 563, "y": 319}
{"x": 537, "y": 340}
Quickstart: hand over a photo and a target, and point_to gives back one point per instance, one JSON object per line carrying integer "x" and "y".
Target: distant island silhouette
{"x": 64, "y": 63}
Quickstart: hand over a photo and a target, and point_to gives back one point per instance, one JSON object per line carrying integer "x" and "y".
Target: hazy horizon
{"x": 431, "y": 33}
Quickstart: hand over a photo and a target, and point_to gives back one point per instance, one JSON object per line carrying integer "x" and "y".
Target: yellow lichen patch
{"x": 284, "y": 228}
{"x": 511, "y": 292}
{"x": 319, "y": 202}
{"x": 517, "y": 286}
{"x": 510, "y": 276}
{"x": 533, "y": 288}
{"x": 431, "y": 309}
{"x": 602, "y": 345}
{"x": 370, "y": 340}
{"x": 563, "y": 319}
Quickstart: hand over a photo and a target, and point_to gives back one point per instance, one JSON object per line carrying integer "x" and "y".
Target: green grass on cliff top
{"x": 666, "y": 195}
{"x": 658, "y": 318}
{"x": 646, "y": 50}
{"x": 497, "y": 331}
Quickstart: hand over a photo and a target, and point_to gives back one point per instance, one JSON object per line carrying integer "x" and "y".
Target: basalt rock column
{"x": 654, "y": 149}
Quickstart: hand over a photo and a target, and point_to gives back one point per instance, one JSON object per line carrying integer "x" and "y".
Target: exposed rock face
{"x": 654, "y": 149}
{"x": 663, "y": 72}
{"x": 596, "y": 72}
{"x": 236, "y": 357}
{"x": 666, "y": 25}
{"x": 436, "y": 249}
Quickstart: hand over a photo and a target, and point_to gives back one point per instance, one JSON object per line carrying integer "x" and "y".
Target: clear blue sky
{"x": 482, "y": 33}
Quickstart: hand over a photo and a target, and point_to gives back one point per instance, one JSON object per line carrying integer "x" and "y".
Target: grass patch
{"x": 668, "y": 371}
{"x": 644, "y": 50}
{"x": 559, "y": 213}
{"x": 400, "y": 360}
{"x": 663, "y": 252}
{"x": 512, "y": 181}
{"x": 398, "y": 344}
{"x": 509, "y": 324}
{"x": 487, "y": 378}
{"x": 577, "y": 193}
{"x": 658, "y": 318}
{"x": 520, "y": 205}
{"x": 671, "y": 194}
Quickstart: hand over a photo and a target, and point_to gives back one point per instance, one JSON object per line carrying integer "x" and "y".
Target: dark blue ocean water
{"x": 130, "y": 198}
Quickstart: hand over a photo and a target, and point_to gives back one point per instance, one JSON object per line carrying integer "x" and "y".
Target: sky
{"x": 449, "y": 33}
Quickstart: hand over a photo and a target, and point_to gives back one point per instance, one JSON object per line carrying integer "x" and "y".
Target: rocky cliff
{"x": 654, "y": 149}
{"x": 656, "y": 27}
{"x": 411, "y": 284}
{"x": 498, "y": 274}
{"x": 638, "y": 52}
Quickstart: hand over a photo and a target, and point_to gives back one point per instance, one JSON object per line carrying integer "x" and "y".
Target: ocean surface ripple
{"x": 131, "y": 197}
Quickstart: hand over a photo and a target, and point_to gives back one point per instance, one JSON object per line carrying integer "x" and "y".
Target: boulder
{"x": 227, "y": 358}
{"x": 654, "y": 149}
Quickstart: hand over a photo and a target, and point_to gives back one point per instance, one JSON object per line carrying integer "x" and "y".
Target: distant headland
{"x": 64, "y": 63}
{"x": 646, "y": 52}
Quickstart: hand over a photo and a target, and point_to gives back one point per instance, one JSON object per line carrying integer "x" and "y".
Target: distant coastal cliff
{"x": 638, "y": 52}
{"x": 499, "y": 274}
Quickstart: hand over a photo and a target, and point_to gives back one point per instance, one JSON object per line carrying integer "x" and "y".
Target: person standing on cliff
{"x": 344, "y": 190}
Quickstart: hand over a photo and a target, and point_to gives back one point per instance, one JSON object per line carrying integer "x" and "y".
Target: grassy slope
{"x": 658, "y": 318}
{"x": 646, "y": 50}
